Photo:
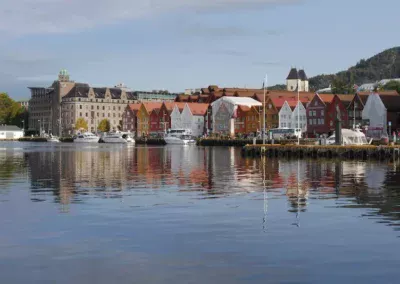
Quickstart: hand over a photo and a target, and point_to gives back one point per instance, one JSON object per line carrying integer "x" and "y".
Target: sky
{"x": 180, "y": 44}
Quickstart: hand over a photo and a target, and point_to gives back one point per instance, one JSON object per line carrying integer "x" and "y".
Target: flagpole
{"x": 265, "y": 82}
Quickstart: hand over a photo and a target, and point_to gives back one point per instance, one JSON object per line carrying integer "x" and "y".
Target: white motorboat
{"x": 86, "y": 137}
{"x": 117, "y": 137}
{"x": 52, "y": 138}
{"x": 350, "y": 137}
{"x": 179, "y": 137}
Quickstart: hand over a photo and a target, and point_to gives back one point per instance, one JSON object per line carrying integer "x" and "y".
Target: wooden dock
{"x": 323, "y": 151}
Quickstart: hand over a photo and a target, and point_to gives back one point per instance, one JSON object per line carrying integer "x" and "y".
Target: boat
{"x": 86, "y": 137}
{"x": 52, "y": 138}
{"x": 179, "y": 137}
{"x": 117, "y": 137}
{"x": 350, "y": 137}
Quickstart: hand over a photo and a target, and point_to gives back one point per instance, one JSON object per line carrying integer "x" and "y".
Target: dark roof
{"x": 302, "y": 75}
{"x": 99, "y": 93}
{"x": 9, "y": 128}
{"x": 78, "y": 91}
{"x": 131, "y": 96}
{"x": 115, "y": 93}
{"x": 293, "y": 74}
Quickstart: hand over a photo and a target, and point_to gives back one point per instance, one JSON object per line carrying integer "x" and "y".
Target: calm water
{"x": 117, "y": 214}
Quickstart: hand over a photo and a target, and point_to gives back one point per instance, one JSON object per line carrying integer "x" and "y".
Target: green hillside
{"x": 384, "y": 65}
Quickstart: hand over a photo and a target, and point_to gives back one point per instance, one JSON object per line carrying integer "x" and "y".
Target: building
{"x": 129, "y": 120}
{"x": 193, "y": 117}
{"x": 94, "y": 105}
{"x": 154, "y": 96}
{"x": 10, "y": 132}
{"x": 316, "y": 115}
{"x": 24, "y": 104}
{"x": 224, "y": 112}
{"x": 143, "y": 117}
{"x": 297, "y": 79}
{"x": 44, "y": 105}
{"x": 168, "y": 111}
{"x": 375, "y": 113}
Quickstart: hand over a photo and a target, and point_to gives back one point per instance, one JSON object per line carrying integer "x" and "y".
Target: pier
{"x": 364, "y": 152}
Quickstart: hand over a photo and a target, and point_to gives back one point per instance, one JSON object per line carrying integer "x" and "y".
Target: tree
{"x": 11, "y": 112}
{"x": 104, "y": 125}
{"x": 392, "y": 85}
{"x": 81, "y": 124}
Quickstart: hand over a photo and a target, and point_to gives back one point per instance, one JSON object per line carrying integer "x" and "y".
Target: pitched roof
{"x": 134, "y": 107}
{"x": 100, "y": 92}
{"x": 170, "y": 106}
{"x": 326, "y": 98}
{"x": 198, "y": 109}
{"x": 302, "y": 75}
{"x": 240, "y": 101}
{"x": 149, "y": 106}
{"x": 10, "y": 128}
{"x": 293, "y": 74}
{"x": 346, "y": 99}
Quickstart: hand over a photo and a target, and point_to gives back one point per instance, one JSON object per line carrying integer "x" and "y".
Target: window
{"x": 98, "y": 107}
{"x": 86, "y": 114}
{"x": 80, "y": 114}
{"x": 103, "y": 114}
{"x": 80, "y": 106}
{"x": 92, "y": 107}
{"x": 103, "y": 107}
{"x": 322, "y": 112}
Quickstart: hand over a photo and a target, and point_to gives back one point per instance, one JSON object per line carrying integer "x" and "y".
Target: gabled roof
{"x": 198, "y": 109}
{"x": 240, "y": 101}
{"x": 100, "y": 92}
{"x": 346, "y": 99}
{"x": 134, "y": 107}
{"x": 150, "y": 106}
{"x": 293, "y": 74}
{"x": 170, "y": 106}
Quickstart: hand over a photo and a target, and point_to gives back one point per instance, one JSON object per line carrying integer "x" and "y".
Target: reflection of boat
{"x": 179, "y": 137}
{"x": 52, "y": 138}
{"x": 350, "y": 137}
{"x": 86, "y": 137}
{"x": 117, "y": 137}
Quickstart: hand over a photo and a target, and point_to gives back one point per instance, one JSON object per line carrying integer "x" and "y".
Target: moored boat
{"x": 86, "y": 137}
{"x": 350, "y": 137}
{"x": 179, "y": 137}
{"x": 117, "y": 137}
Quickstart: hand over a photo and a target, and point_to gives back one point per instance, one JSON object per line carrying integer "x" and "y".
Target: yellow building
{"x": 143, "y": 117}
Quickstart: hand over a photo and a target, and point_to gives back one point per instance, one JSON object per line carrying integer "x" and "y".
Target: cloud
{"x": 61, "y": 16}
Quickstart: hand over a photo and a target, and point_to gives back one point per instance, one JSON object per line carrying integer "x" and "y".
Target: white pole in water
{"x": 264, "y": 87}
{"x": 298, "y": 114}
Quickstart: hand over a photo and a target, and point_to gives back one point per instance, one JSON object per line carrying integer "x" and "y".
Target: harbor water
{"x": 186, "y": 214}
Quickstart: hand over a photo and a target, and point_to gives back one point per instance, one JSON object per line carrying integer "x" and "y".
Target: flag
{"x": 265, "y": 81}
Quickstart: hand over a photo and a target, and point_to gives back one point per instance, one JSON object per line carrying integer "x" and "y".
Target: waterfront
{"x": 144, "y": 214}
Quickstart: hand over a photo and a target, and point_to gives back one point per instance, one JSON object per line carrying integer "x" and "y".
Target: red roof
{"x": 150, "y": 106}
{"x": 170, "y": 106}
{"x": 134, "y": 107}
{"x": 198, "y": 109}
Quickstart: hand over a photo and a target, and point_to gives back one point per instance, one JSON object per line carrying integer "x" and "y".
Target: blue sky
{"x": 178, "y": 44}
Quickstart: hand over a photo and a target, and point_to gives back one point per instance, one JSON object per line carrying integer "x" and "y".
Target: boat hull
{"x": 177, "y": 141}
{"x": 83, "y": 140}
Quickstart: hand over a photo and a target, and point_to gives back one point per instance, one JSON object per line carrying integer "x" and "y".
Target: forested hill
{"x": 384, "y": 65}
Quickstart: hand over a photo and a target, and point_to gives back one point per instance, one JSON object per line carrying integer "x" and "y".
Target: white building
{"x": 224, "y": 112}
{"x": 10, "y": 132}
{"x": 376, "y": 112}
{"x": 299, "y": 117}
{"x": 297, "y": 79}
{"x": 288, "y": 115}
{"x": 192, "y": 117}
{"x": 176, "y": 118}
{"x": 285, "y": 116}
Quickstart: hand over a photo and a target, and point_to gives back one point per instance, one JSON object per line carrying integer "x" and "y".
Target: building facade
{"x": 143, "y": 118}
{"x": 93, "y": 105}
{"x": 45, "y": 104}
{"x": 193, "y": 118}
{"x": 129, "y": 120}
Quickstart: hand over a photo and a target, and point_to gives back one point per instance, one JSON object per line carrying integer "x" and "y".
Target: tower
{"x": 297, "y": 79}
{"x": 63, "y": 76}
{"x": 292, "y": 80}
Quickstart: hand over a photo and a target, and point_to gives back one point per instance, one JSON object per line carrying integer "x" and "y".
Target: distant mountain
{"x": 384, "y": 65}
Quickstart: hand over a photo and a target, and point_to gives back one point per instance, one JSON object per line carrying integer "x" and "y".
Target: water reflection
{"x": 68, "y": 174}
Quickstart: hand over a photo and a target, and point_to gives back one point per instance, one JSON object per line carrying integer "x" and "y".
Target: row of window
{"x": 312, "y": 113}
{"x": 316, "y": 121}
{"x": 97, "y": 100}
